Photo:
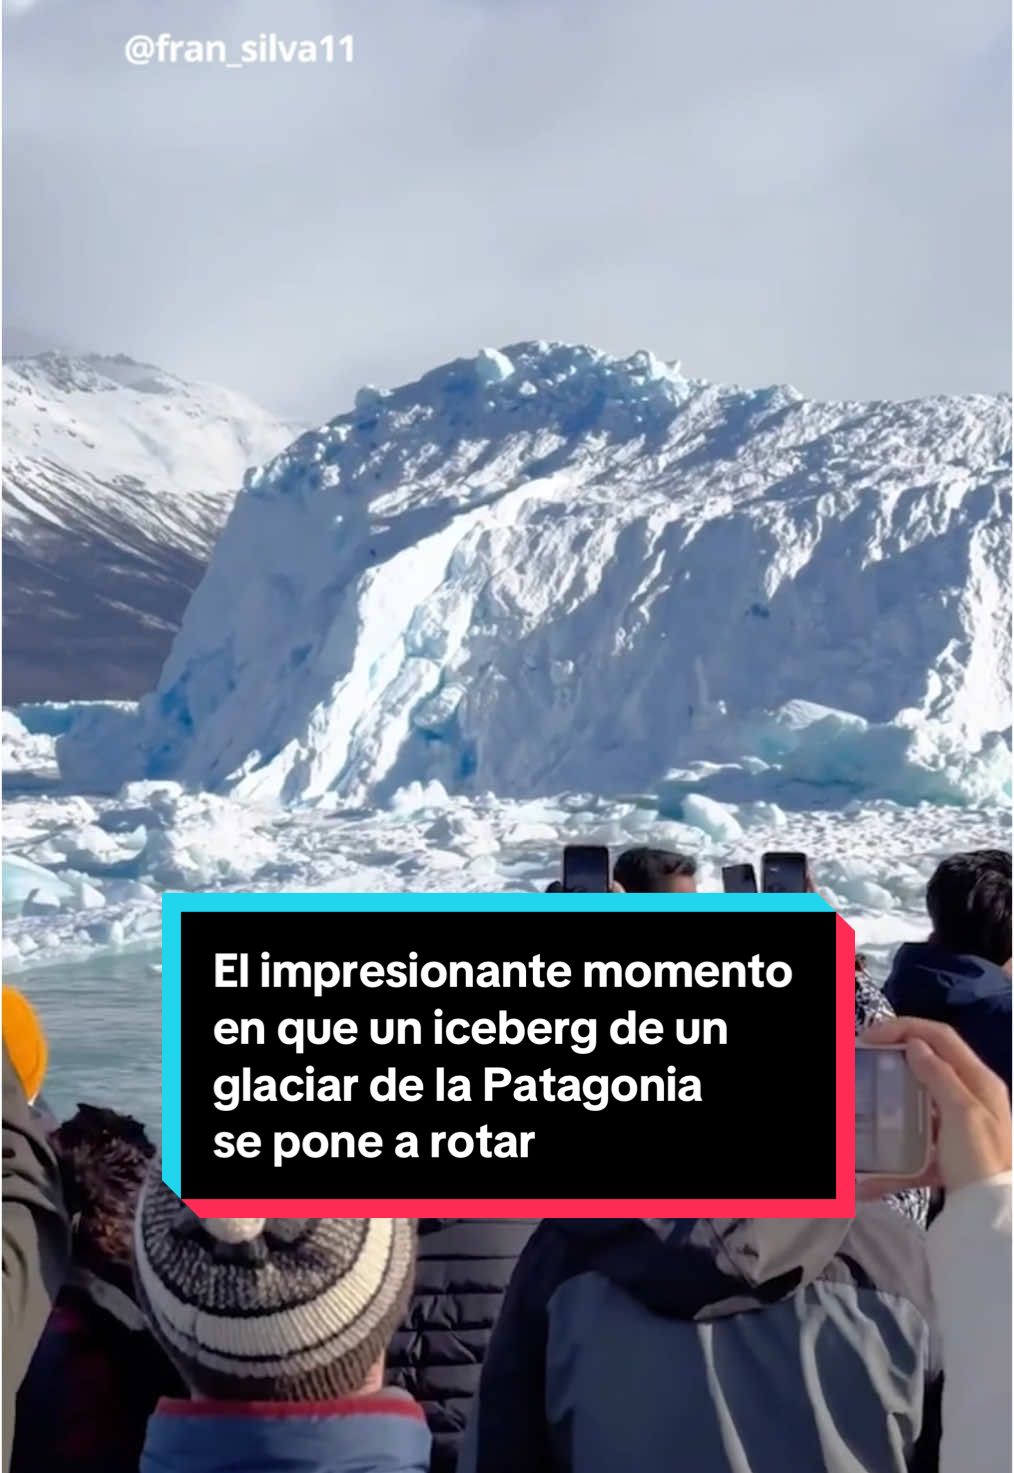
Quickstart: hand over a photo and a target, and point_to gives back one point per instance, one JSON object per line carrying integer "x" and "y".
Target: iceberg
{"x": 548, "y": 570}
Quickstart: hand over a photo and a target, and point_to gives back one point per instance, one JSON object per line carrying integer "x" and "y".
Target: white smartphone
{"x": 893, "y": 1136}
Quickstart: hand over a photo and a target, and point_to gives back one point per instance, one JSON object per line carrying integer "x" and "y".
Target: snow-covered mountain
{"x": 117, "y": 479}
{"x": 546, "y": 569}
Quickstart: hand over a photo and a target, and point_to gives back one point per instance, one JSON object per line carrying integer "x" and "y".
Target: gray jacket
{"x": 711, "y": 1346}
{"x": 36, "y": 1240}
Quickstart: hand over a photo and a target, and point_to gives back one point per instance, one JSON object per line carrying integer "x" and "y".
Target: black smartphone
{"x": 739, "y": 879}
{"x": 783, "y": 874}
{"x": 892, "y": 1114}
{"x": 586, "y": 868}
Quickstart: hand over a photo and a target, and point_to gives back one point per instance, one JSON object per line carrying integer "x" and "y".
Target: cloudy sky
{"x": 804, "y": 191}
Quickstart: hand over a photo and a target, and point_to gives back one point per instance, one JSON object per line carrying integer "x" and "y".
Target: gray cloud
{"x": 787, "y": 192}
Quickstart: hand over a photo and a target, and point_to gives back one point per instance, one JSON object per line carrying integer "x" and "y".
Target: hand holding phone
{"x": 892, "y": 1114}
{"x": 586, "y": 869}
{"x": 971, "y": 1105}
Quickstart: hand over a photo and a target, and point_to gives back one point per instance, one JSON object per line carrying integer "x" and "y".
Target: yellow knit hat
{"x": 24, "y": 1041}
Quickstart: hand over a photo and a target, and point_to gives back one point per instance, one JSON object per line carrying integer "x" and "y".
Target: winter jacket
{"x": 713, "y": 1346}
{"x": 969, "y": 993}
{"x": 970, "y": 1262}
{"x": 462, "y": 1269}
{"x": 95, "y": 1379}
{"x": 36, "y": 1240}
{"x": 380, "y": 1433}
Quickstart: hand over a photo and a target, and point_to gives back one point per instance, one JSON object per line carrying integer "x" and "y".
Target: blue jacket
{"x": 380, "y": 1433}
{"x": 969, "y": 993}
{"x": 713, "y": 1346}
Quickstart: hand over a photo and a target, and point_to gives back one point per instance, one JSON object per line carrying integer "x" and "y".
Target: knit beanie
{"x": 24, "y": 1041}
{"x": 276, "y": 1309}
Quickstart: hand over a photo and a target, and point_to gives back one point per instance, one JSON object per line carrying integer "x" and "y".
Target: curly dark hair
{"x": 103, "y": 1159}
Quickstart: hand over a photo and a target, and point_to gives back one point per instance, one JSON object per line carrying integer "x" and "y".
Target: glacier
{"x": 547, "y": 569}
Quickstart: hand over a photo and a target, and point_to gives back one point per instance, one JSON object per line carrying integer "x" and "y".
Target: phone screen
{"x": 892, "y": 1119}
{"x": 739, "y": 879}
{"x": 586, "y": 868}
{"x": 783, "y": 874}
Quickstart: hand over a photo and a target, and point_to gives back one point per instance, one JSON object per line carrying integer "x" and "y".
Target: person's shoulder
{"x": 886, "y": 1251}
{"x": 474, "y": 1237}
{"x": 549, "y": 1257}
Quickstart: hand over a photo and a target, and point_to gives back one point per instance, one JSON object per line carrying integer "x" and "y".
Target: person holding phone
{"x": 962, "y": 974}
{"x": 969, "y": 1244}
{"x": 769, "y": 1322}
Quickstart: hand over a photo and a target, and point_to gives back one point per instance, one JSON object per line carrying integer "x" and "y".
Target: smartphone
{"x": 892, "y": 1114}
{"x": 739, "y": 879}
{"x": 586, "y": 868}
{"x": 783, "y": 874}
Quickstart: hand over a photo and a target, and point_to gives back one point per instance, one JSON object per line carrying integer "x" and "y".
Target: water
{"x": 103, "y": 1021}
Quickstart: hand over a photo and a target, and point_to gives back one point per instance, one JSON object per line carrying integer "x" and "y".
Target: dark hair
{"x": 968, "y": 900}
{"x": 645, "y": 871}
{"x": 103, "y": 1159}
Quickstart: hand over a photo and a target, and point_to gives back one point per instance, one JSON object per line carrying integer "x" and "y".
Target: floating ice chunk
{"x": 492, "y": 366}
{"x": 416, "y": 797}
{"x": 23, "y": 880}
{"x": 39, "y": 905}
{"x": 530, "y": 833}
{"x": 763, "y": 815}
{"x": 107, "y": 933}
{"x": 444, "y": 859}
{"x": 718, "y": 821}
{"x": 85, "y": 896}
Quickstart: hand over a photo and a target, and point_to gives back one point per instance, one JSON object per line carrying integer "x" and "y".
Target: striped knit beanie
{"x": 276, "y": 1309}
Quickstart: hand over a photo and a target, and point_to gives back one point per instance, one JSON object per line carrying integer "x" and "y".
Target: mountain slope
{"x": 549, "y": 569}
{"x": 117, "y": 479}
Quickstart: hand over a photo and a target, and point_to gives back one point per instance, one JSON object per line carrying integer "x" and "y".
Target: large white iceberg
{"x": 585, "y": 573}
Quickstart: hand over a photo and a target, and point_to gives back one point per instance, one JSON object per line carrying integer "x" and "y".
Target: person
{"x": 961, "y": 975}
{"x": 969, "y": 1245}
{"x": 279, "y": 1329}
{"x": 646, "y": 871}
{"x": 718, "y": 1345}
{"x": 97, "y": 1373}
{"x": 36, "y": 1234}
{"x": 462, "y": 1270}
{"x": 769, "y": 1323}
{"x": 25, "y": 1042}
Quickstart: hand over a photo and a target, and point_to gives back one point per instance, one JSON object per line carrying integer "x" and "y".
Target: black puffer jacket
{"x": 463, "y": 1268}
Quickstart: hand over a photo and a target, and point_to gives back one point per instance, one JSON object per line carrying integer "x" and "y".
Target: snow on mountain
{"x": 547, "y": 569}
{"x": 117, "y": 479}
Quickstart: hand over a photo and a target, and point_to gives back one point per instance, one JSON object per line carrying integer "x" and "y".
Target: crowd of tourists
{"x": 139, "y": 1337}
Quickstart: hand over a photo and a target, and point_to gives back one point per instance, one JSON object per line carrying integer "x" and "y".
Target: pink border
{"x": 843, "y": 1204}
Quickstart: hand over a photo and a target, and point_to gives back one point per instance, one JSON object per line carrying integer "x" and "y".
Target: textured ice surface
{"x": 872, "y": 859}
{"x": 597, "y": 574}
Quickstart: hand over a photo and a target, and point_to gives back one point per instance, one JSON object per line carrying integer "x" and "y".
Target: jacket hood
{"x": 930, "y": 981}
{"x": 706, "y": 1268}
{"x": 381, "y": 1433}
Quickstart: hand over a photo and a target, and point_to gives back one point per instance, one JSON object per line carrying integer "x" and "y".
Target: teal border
{"x": 175, "y": 905}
